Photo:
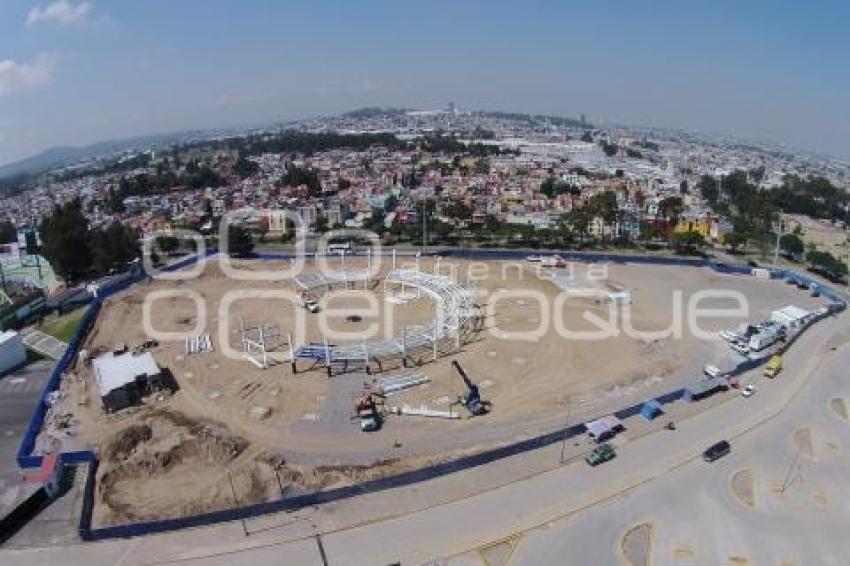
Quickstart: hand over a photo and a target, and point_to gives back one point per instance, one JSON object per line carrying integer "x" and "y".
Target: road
{"x": 657, "y": 477}
{"x": 19, "y": 392}
{"x": 799, "y": 512}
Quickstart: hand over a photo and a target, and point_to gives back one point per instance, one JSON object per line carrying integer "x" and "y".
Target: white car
{"x": 711, "y": 371}
{"x": 730, "y": 336}
{"x": 748, "y": 391}
{"x": 741, "y": 348}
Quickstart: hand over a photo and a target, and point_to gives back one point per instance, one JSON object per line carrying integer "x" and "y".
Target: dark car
{"x": 716, "y": 451}
{"x": 600, "y": 454}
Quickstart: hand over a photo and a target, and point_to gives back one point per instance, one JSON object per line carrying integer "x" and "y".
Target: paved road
{"x": 523, "y": 509}
{"x": 799, "y": 515}
{"x": 19, "y": 392}
{"x": 42, "y": 343}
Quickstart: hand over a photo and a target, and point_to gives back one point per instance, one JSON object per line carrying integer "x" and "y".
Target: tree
{"x": 8, "y": 232}
{"x": 391, "y": 203}
{"x": 826, "y": 263}
{"x": 458, "y": 210}
{"x": 791, "y": 244}
{"x": 244, "y": 167}
{"x": 609, "y": 148}
{"x": 65, "y": 242}
{"x": 733, "y": 240}
{"x": 482, "y": 165}
{"x": 239, "y": 241}
{"x": 115, "y": 245}
{"x": 114, "y": 202}
{"x": 321, "y": 223}
{"x": 688, "y": 243}
{"x": 166, "y": 244}
{"x": 547, "y": 187}
{"x": 709, "y": 190}
{"x": 579, "y": 220}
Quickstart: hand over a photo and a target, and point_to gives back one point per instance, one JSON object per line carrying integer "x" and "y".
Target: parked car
{"x": 711, "y": 371}
{"x": 716, "y": 451}
{"x": 742, "y": 348}
{"x": 600, "y": 454}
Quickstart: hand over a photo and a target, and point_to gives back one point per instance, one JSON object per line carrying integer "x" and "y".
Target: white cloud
{"x": 17, "y": 77}
{"x": 60, "y": 12}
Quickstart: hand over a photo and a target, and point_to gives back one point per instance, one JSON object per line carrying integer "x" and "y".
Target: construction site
{"x": 321, "y": 379}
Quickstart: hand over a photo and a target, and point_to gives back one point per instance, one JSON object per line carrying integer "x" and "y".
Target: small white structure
{"x": 620, "y": 298}
{"x": 12, "y": 352}
{"x": 791, "y": 317}
{"x": 123, "y": 379}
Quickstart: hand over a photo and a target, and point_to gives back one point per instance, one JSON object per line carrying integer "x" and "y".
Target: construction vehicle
{"x": 310, "y": 302}
{"x": 472, "y": 400}
{"x": 367, "y": 411}
{"x": 600, "y": 454}
{"x": 773, "y": 367}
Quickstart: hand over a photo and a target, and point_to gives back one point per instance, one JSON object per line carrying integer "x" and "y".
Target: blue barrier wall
{"x": 26, "y": 459}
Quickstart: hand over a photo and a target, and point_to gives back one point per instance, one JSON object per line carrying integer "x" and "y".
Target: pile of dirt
{"x": 169, "y": 465}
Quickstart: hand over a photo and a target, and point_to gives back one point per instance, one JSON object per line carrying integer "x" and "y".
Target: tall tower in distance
{"x": 583, "y": 121}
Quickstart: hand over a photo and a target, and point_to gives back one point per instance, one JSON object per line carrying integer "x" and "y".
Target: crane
{"x": 472, "y": 400}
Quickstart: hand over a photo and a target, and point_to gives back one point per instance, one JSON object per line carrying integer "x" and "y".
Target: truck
{"x": 773, "y": 367}
{"x": 769, "y": 335}
{"x": 600, "y": 454}
{"x": 367, "y": 411}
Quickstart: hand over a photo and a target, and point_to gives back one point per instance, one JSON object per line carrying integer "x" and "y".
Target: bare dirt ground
{"x": 207, "y": 447}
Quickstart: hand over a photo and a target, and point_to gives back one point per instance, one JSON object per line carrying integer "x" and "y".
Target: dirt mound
{"x": 169, "y": 465}
{"x": 126, "y": 441}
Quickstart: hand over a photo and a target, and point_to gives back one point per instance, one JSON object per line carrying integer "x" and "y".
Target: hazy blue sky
{"x": 74, "y": 72}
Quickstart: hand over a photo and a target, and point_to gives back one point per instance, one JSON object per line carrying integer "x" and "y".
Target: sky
{"x": 74, "y": 72}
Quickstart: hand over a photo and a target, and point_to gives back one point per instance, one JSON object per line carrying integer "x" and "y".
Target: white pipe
{"x": 424, "y": 411}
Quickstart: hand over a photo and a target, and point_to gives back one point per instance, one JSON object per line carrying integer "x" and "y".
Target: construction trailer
{"x": 705, "y": 388}
{"x": 124, "y": 379}
{"x": 602, "y": 429}
{"x": 770, "y": 334}
{"x": 790, "y": 317}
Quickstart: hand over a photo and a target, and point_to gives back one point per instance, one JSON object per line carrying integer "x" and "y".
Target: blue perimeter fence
{"x": 26, "y": 459}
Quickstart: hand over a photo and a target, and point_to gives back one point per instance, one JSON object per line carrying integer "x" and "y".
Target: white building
{"x": 12, "y": 352}
{"x": 791, "y": 317}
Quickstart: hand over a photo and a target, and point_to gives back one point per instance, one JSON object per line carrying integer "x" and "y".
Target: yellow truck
{"x": 773, "y": 367}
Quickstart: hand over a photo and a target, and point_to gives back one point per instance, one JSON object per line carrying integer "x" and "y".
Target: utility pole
{"x": 564, "y": 441}
{"x": 424, "y": 224}
{"x": 236, "y": 499}
{"x": 779, "y": 228}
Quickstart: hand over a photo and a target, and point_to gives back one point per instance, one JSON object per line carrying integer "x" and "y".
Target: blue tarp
{"x": 650, "y": 409}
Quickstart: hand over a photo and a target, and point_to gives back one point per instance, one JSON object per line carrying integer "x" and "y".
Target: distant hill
{"x": 374, "y": 112}
{"x": 61, "y": 156}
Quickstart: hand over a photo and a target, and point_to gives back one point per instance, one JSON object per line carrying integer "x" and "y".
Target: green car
{"x": 600, "y": 454}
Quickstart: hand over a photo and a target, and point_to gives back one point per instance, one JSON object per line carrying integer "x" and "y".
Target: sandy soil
{"x": 205, "y": 435}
